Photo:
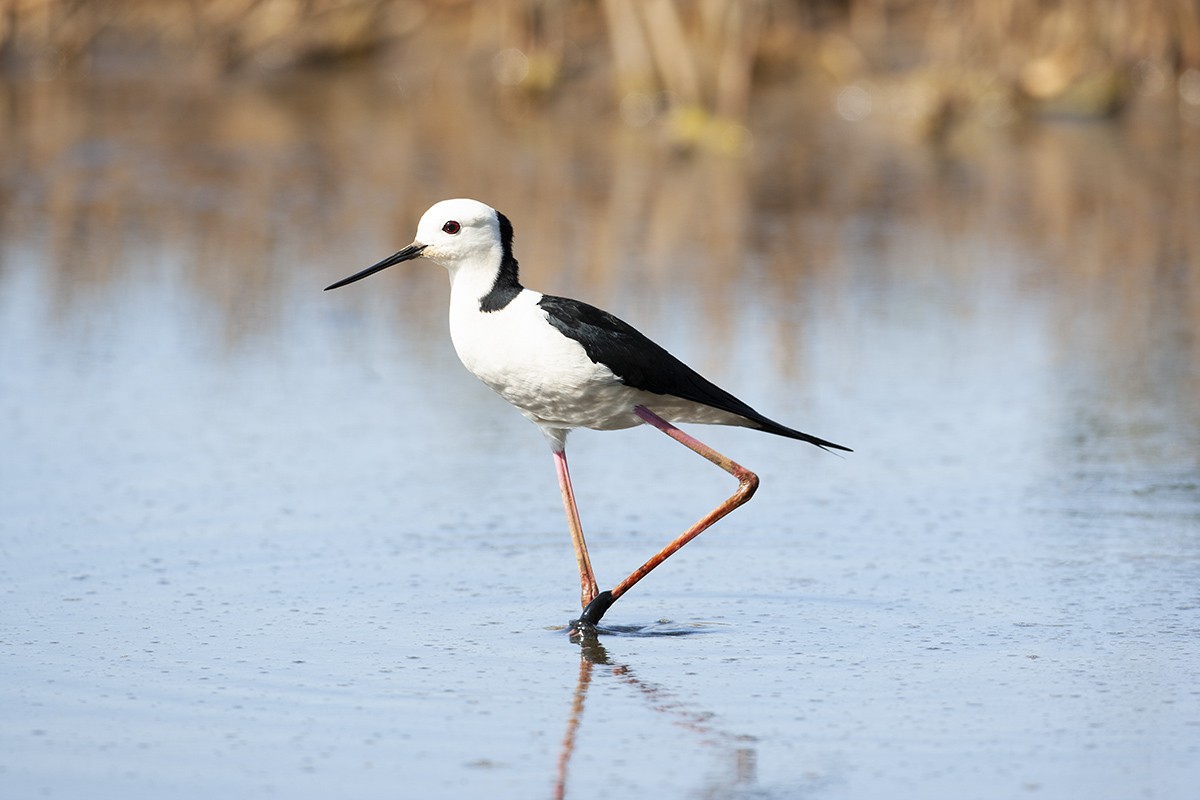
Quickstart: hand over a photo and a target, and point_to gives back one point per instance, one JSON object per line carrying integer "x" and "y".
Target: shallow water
{"x": 262, "y": 540}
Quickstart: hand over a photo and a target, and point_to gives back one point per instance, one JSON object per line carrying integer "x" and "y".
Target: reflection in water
{"x": 246, "y": 192}
{"x": 699, "y": 724}
{"x": 244, "y": 197}
{"x": 590, "y": 654}
{"x": 329, "y": 169}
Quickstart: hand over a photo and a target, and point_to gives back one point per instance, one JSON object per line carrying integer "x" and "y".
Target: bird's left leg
{"x": 587, "y": 579}
{"x": 747, "y": 485}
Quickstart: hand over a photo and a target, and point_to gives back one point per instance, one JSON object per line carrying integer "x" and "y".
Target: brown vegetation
{"x": 694, "y": 65}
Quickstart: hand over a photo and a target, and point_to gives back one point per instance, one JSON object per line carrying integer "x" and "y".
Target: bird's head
{"x": 452, "y": 233}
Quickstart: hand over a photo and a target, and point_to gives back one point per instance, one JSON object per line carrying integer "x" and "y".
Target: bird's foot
{"x": 592, "y": 615}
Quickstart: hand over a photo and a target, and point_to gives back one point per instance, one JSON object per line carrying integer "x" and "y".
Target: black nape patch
{"x": 508, "y": 284}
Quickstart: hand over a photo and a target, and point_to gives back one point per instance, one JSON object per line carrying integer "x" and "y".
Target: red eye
{"x": 451, "y": 227}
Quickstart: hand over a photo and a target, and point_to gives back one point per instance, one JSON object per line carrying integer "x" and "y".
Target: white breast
{"x": 546, "y": 375}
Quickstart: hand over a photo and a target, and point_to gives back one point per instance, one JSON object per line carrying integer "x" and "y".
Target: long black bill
{"x": 408, "y": 253}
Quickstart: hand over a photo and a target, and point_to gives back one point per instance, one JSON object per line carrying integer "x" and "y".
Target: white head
{"x": 453, "y": 233}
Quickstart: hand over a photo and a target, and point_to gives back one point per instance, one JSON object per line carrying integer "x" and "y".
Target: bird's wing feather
{"x": 641, "y": 363}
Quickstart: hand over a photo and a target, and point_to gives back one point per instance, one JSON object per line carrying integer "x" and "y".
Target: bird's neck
{"x": 487, "y": 290}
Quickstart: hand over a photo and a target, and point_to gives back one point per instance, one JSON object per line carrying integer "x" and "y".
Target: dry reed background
{"x": 702, "y": 60}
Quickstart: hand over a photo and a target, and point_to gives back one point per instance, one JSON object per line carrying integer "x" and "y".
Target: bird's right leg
{"x": 587, "y": 579}
{"x": 747, "y": 485}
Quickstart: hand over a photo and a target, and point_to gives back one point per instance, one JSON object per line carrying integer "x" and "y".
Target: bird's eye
{"x": 451, "y": 227}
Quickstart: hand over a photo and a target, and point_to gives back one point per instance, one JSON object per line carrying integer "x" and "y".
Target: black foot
{"x": 594, "y": 612}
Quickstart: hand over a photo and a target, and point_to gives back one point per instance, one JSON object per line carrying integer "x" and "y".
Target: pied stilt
{"x": 565, "y": 364}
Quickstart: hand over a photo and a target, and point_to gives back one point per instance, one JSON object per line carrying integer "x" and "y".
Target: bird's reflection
{"x": 592, "y": 654}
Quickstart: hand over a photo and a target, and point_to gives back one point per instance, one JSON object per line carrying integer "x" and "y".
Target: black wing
{"x": 642, "y": 364}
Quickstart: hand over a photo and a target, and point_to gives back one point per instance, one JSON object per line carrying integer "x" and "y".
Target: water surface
{"x": 261, "y": 540}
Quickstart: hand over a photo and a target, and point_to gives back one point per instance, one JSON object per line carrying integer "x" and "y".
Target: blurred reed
{"x": 691, "y": 65}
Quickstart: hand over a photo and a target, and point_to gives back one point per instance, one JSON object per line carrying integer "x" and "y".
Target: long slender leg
{"x": 587, "y": 579}
{"x": 747, "y": 485}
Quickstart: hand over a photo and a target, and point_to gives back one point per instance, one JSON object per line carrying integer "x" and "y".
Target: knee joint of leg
{"x": 749, "y": 484}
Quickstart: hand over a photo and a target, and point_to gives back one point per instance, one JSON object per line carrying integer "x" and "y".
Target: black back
{"x": 643, "y": 364}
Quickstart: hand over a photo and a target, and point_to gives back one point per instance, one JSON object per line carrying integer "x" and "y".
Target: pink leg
{"x": 587, "y": 579}
{"x": 747, "y": 485}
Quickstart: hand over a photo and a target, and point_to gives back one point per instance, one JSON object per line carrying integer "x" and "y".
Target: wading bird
{"x": 565, "y": 364}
